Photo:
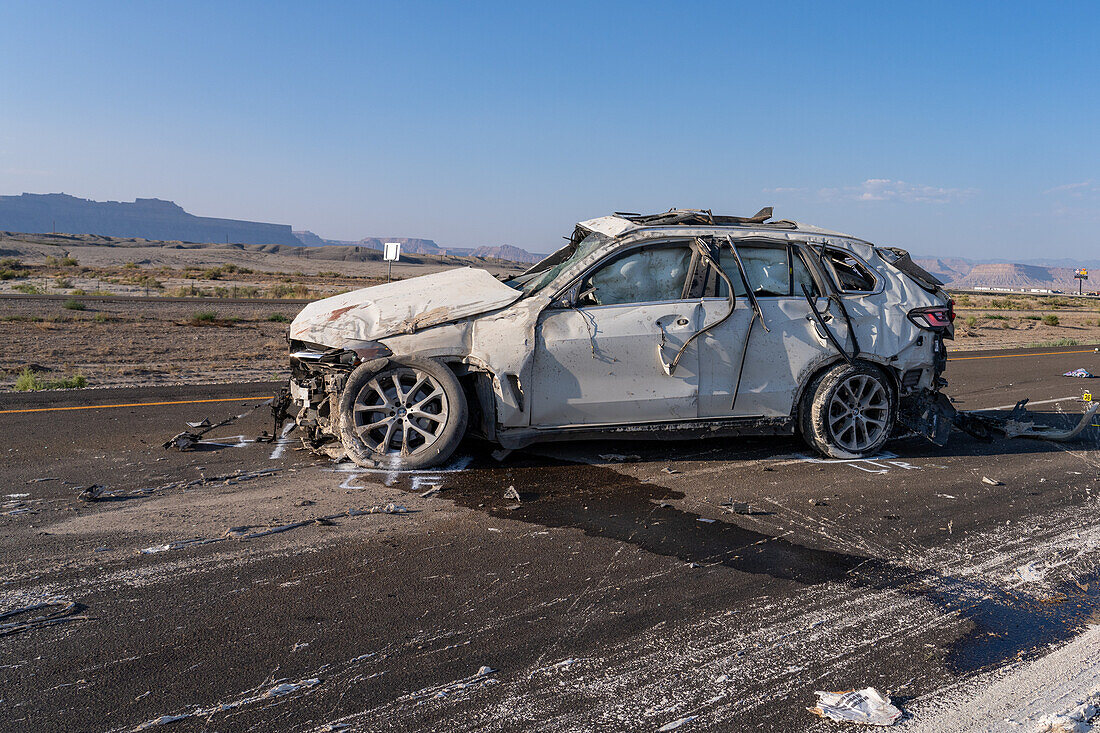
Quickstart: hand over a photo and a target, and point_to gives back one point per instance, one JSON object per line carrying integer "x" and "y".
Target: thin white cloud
{"x": 1075, "y": 189}
{"x": 885, "y": 189}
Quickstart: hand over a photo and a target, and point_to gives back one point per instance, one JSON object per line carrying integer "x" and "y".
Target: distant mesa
{"x": 412, "y": 245}
{"x": 143, "y": 218}
{"x": 964, "y": 274}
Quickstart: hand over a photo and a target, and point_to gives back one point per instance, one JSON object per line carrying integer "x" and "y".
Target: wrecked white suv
{"x": 669, "y": 325}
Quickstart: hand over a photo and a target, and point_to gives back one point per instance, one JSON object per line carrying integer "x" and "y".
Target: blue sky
{"x": 946, "y": 128}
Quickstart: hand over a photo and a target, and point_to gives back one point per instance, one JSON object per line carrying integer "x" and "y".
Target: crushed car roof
{"x": 620, "y": 223}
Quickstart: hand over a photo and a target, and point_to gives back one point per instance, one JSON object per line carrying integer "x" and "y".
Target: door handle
{"x": 673, "y": 320}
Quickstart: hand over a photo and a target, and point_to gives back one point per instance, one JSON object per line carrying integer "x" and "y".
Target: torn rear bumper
{"x": 932, "y": 415}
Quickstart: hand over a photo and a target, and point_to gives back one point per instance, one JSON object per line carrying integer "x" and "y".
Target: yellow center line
{"x": 138, "y": 404}
{"x": 1009, "y": 356}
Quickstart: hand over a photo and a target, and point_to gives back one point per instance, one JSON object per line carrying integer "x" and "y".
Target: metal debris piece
{"x": 512, "y": 494}
{"x": 1082, "y": 373}
{"x": 435, "y": 489}
{"x": 866, "y": 707}
{"x": 243, "y": 533}
{"x": 1019, "y": 425}
{"x": 187, "y": 440}
{"x": 182, "y": 441}
{"x": 670, "y": 470}
{"x": 47, "y": 614}
{"x": 736, "y": 507}
{"x": 619, "y": 457}
{"x": 992, "y": 482}
{"x": 91, "y": 493}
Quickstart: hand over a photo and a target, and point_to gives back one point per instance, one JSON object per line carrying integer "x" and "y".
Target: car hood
{"x": 401, "y": 307}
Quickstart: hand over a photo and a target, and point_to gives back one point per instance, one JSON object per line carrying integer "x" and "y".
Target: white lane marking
{"x": 282, "y": 443}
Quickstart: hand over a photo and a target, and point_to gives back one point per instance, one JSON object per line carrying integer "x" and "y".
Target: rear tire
{"x": 848, "y": 411}
{"x": 412, "y": 414}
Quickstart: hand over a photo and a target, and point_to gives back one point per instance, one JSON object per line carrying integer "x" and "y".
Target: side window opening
{"x": 851, "y": 275}
{"x": 768, "y": 270}
{"x": 648, "y": 275}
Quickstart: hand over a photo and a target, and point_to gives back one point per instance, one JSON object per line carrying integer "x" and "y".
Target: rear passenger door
{"x": 749, "y": 371}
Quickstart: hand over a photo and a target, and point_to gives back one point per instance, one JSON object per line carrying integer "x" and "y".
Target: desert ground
{"x": 127, "y": 312}
{"x": 202, "y": 314}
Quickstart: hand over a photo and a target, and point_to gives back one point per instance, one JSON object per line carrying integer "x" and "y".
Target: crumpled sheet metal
{"x": 1019, "y": 426}
{"x": 401, "y": 307}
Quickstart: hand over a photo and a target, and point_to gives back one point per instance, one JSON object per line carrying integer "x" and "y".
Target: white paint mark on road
{"x": 880, "y": 463}
{"x": 281, "y": 443}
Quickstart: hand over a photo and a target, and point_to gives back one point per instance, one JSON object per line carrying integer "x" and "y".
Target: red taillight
{"x": 951, "y": 310}
{"x": 934, "y": 318}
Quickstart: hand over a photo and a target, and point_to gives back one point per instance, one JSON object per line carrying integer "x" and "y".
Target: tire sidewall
{"x": 444, "y": 445}
{"x": 815, "y": 409}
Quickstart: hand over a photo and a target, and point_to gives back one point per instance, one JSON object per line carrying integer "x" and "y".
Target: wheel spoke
{"x": 377, "y": 389}
{"x": 396, "y": 379}
{"x": 428, "y": 437}
{"x": 363, "y": 429}
{"x": 437, "y": 392}
{"x": 420, "y": 380}
{"x": 439, "y": 419}
{"x": 385, "y": 444}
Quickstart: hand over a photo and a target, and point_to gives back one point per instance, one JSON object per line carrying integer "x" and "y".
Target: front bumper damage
{"x": 317, "y": 377}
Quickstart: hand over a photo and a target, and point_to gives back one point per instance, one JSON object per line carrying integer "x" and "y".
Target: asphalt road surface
{"x": 706, "y": 585}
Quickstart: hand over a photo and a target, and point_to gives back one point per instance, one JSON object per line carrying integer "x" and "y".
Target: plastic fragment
{"x": 91, "y": 493}
{"x": 866, "y": 707}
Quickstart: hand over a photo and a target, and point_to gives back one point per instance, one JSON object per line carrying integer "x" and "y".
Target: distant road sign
{"x": 392, "y": 252}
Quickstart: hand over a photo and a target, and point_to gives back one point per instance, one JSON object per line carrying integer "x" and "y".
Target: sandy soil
{"x": 144, "y": 343}
{"x": 153, "y": 343}
{"x": 1011, "y": 321}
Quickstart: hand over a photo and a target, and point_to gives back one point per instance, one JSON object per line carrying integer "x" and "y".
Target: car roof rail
{"x": 703, "y": 217}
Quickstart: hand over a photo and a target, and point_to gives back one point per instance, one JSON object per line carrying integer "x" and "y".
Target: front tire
{"x": 412, "y": 414}
{"x": 849, "y": 411}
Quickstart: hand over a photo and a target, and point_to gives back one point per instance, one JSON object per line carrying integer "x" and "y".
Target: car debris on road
{"x": 866, "y": 707}
{"x": 46, "y": 613}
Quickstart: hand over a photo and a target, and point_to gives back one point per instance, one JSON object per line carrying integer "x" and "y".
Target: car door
{"x": 750, "y": 371}
{"x": 599, "y": 346}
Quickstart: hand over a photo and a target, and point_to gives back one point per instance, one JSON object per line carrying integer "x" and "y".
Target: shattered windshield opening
{"x": 544, "y": 273}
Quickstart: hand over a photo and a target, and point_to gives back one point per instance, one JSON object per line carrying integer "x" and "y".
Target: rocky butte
{"x": 143, "y": 218}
